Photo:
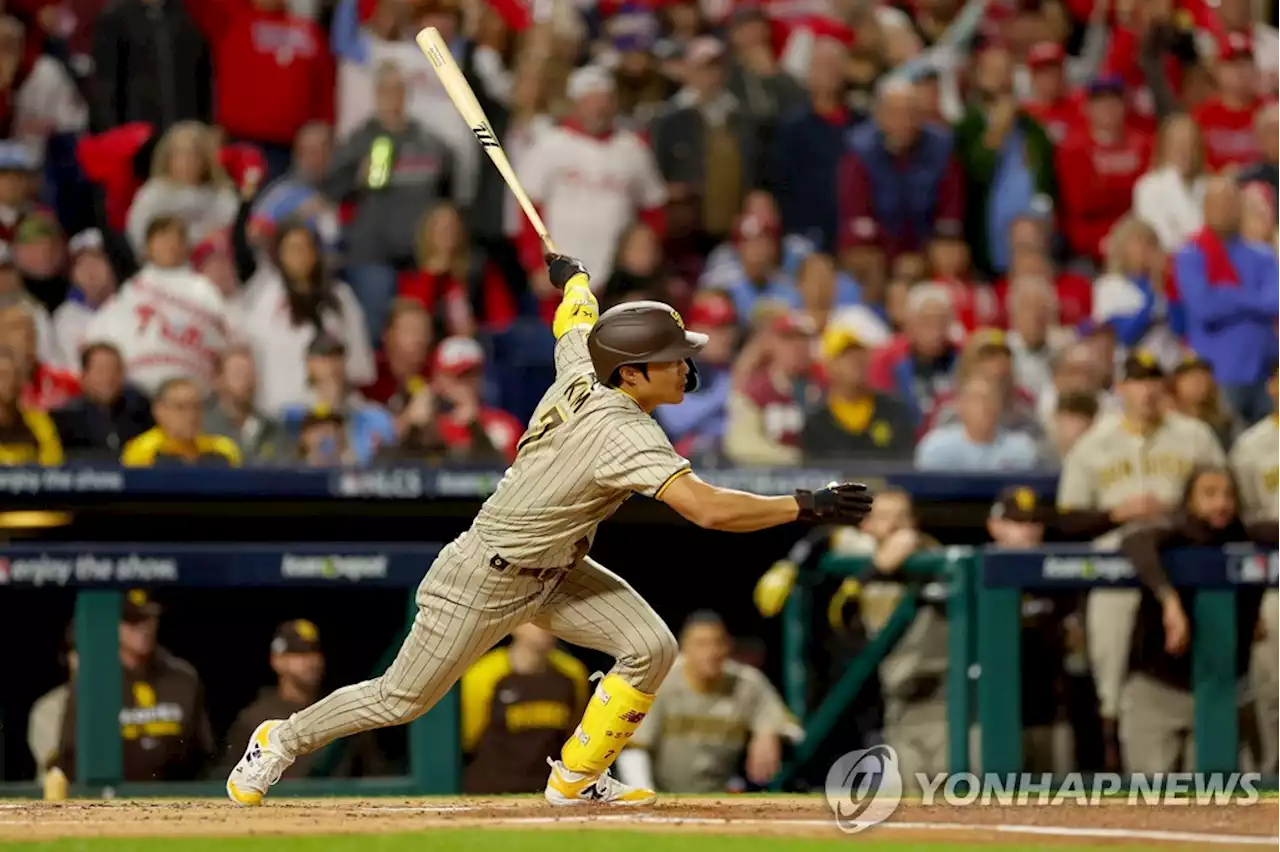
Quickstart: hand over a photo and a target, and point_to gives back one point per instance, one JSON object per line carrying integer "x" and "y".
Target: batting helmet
{"x": 641, "y": 333}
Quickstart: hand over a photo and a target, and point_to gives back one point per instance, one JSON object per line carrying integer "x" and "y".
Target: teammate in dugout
{"x": 592, "y": 442}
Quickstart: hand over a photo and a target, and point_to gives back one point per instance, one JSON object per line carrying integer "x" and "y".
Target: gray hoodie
{"x": 386, "y": 219}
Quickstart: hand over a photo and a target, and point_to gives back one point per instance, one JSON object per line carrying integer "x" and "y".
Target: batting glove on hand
{"x": 842, "y": 503}
{"x": 561, "y": 267}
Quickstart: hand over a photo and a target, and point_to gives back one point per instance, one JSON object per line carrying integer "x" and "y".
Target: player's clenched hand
{"x": 839, "y": 502}
{"x": 561, "y": 267}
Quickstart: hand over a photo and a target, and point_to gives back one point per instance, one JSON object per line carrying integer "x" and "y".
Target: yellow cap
{"x": 837, "y": 338}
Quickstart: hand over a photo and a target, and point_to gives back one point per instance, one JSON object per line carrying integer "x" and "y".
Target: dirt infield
{"x": 1187, "y": 825}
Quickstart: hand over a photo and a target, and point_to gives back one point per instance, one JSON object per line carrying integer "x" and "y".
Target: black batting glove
{"x": 561, "y": 267}
{"x": 840, "y": 503}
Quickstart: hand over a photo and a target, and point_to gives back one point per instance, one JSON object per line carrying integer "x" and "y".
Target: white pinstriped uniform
{"x": 587, "y": 449}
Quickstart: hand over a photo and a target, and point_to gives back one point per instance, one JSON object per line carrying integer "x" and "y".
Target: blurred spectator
{"x": 763, "y": 89}
{"x": 39, "y": 249}
{"x": 187, "y": 182}
{"x": 1075, "y": 369}
{"x": 41, "y": 98}
{"x": 140, "y": 77}
{"x": 470, "y": 429}
{"x": 704, "y": 140}
{"x": 366, "y": 428}
{"x": 807, "y": 148}
{"x": 1074, "y": 414}
{"x": 713, "y": 716}
{"x": 1195, "y": 394}
{"x": 592, "y": 178}
{"x": 1258, "y": 216}
{"x": 855, "y": 422}
{"x": 44, "y": 386}
{"x": 444, "y": 281}
{"x": 297, "y": 659}
{"x": 391, "y": 169}
{"x": 919, "y": 364}
{"x": 107, "y": 414}
{"x": 163, "y": 722}
{"x": 1254, "y": 462}
{"x": 403, "y": 364}
{"x": 1006, "y": 158}
{"x": 638, "y": 271}
{"x": 93, "y": 282}
{"x": 771, "y": 391}
{"x": 1051, "y": 102}
{"x": 974, "y": 305}
{"x": 18, "y": 170}
{"x": 1266, "y": 126}
{"x": 323, "y": 440}
{"x": 759, "y": 275}
{"x": 633, "y": 31}
{"x": 232, "y": 409}
{"x": 1170, "y": 197}
{"x": 166, "y": 321}
{"x": 977, "y": 442}
{"x": 1132, "y": 297}
{"x": 1226, "y": 119}
{"x": 273, "y": 73}
{"x": 1097, "y": 169}
{"x": 297, "y": 193}
{"x": 696, "y": 425}
{"x": 1229, "y": 289}
{"x": 1029, "y": 238}
{"x": 1034, "y": 334}
{"x": 44, "y": 723}
{"x": 826, "y": 292}
{"x": 290, "y": 301}
{"x": 179, "y": 436}
{"x": 899, "y": 185}
{"x": 519, "y": 703}
{"x": 27, "y": 436}
{"x": 1157, "y": 713}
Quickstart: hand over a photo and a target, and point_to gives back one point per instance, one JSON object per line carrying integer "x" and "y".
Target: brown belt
{"x": 498, "y": 563}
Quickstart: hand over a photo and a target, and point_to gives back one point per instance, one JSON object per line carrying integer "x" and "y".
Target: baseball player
{"x": 1255, "y": 461}
{"x": 1128, "y": 467}
{"x": 590, "y": 444}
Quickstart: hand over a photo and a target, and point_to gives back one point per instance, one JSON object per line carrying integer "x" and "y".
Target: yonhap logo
{"x": 864, "y": 788}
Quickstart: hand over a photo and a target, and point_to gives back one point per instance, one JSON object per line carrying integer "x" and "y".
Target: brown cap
{"x": 138, "y": 606}
{"x": 296, "y": 637}
{"x": 640, "y": 333}
{"x": 1141, "y": 365}
{"x": 1020, "y": 503}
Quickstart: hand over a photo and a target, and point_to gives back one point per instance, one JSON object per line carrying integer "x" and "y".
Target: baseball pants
{"x": 465, "y": 607}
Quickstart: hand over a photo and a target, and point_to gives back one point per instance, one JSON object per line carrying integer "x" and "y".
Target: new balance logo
{"x": 634, "y": 717}
{"x": 485, "y": 136}
{"x": 593, "y": 792}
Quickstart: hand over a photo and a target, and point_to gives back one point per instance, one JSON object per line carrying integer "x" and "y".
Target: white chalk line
{"x": 1063, "y": 831}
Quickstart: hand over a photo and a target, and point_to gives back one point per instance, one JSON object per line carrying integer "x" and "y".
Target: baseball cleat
{"x": 566, "y": 788}
{"x": 263, "y": 763}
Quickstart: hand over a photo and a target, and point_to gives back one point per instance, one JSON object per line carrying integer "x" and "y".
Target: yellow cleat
{"x": 566, "y": 788}
{"x": 263, "y": 763}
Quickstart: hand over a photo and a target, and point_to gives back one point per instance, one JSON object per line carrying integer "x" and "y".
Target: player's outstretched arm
{"x": 728, "y": 510}
{"x": 578, "y": 306}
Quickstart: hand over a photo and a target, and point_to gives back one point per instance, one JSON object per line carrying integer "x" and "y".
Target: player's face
{"x": 305, "y": 670}
{"x": 1194, "y": 387}
{"x": 705, "y": 648}
{"x": 666, "y": 382}
{"x": 1008, "y": 533}
{"x": 1141, "y": 398}
{"x": 1213, "y": 499}
{"x": 139, "y": 637}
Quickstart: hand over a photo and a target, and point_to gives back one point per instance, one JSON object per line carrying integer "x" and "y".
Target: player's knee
{"x": 397, "y": 706}
{"x": 654, "y": 658}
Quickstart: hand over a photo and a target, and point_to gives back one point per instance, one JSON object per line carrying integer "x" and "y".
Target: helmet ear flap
{"x": 691, "y": 379}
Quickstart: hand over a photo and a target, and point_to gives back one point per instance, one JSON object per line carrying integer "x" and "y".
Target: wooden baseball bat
{"x": 455, "y": 83}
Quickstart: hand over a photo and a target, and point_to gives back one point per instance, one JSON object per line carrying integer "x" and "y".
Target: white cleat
{"x": 566, "y": 788}
{"x": 263, "y": 763}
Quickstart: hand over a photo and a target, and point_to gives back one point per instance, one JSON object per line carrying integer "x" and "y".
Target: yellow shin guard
{"x": 614, "y": 712}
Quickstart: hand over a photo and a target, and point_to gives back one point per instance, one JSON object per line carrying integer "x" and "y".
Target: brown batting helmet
{"x": 636, "y": 333}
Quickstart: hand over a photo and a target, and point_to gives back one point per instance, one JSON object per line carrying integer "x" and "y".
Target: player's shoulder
{"x": 744, "y": 676}
{"x": 1261, "y": 433}
{"x": 567, "y": 665}
{"x": 489, "y": 669}
{"x": 1182, "y": 427}
{"x": 1104, "y": 428}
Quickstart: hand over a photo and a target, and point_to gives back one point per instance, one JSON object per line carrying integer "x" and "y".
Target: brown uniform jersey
{"x": 696, "y": 739}
{"x": 1111, "y": 462}
{"x": 163, "y": 723}
{"x": 511, "y": 723}
{"x": 587, "y": 449}
{"x": 1255, "y": 459}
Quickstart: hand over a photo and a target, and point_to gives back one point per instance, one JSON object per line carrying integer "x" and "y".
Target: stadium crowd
{"x": 914, "y": 232}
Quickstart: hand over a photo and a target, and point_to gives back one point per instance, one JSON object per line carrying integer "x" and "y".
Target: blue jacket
{"x": 1131, "y": 328}
{"x": 904, "y": 199}
{"x": 1232, "y": 327}
{"x": 806, "y": 151}
{"x": 703, "y": 413}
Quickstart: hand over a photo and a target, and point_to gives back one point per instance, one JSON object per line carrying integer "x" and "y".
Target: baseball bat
{"x": 455, "y": 84}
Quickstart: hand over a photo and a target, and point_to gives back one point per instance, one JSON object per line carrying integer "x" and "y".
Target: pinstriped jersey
{"x": 587, "y": 449}
{"x": 1111, "y": 463}
{"x": 1255, "y": 459}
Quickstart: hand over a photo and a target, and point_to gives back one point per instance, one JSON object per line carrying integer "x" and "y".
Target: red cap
{"x": 215, "y": 243}
{"x": 712, "y": 310}
{"x": 1239, "y": 46}
{"x": 793, "y": 322}
{"x": 456, "y": 355}
{"x": 750, "y": 226}
{"x": 1045, "y": 53}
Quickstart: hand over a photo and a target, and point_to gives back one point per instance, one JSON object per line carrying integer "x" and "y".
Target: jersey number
{"x": 542, "y": 428}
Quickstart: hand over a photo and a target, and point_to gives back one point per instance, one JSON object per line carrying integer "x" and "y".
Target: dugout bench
{"x": 984, "y": 676}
